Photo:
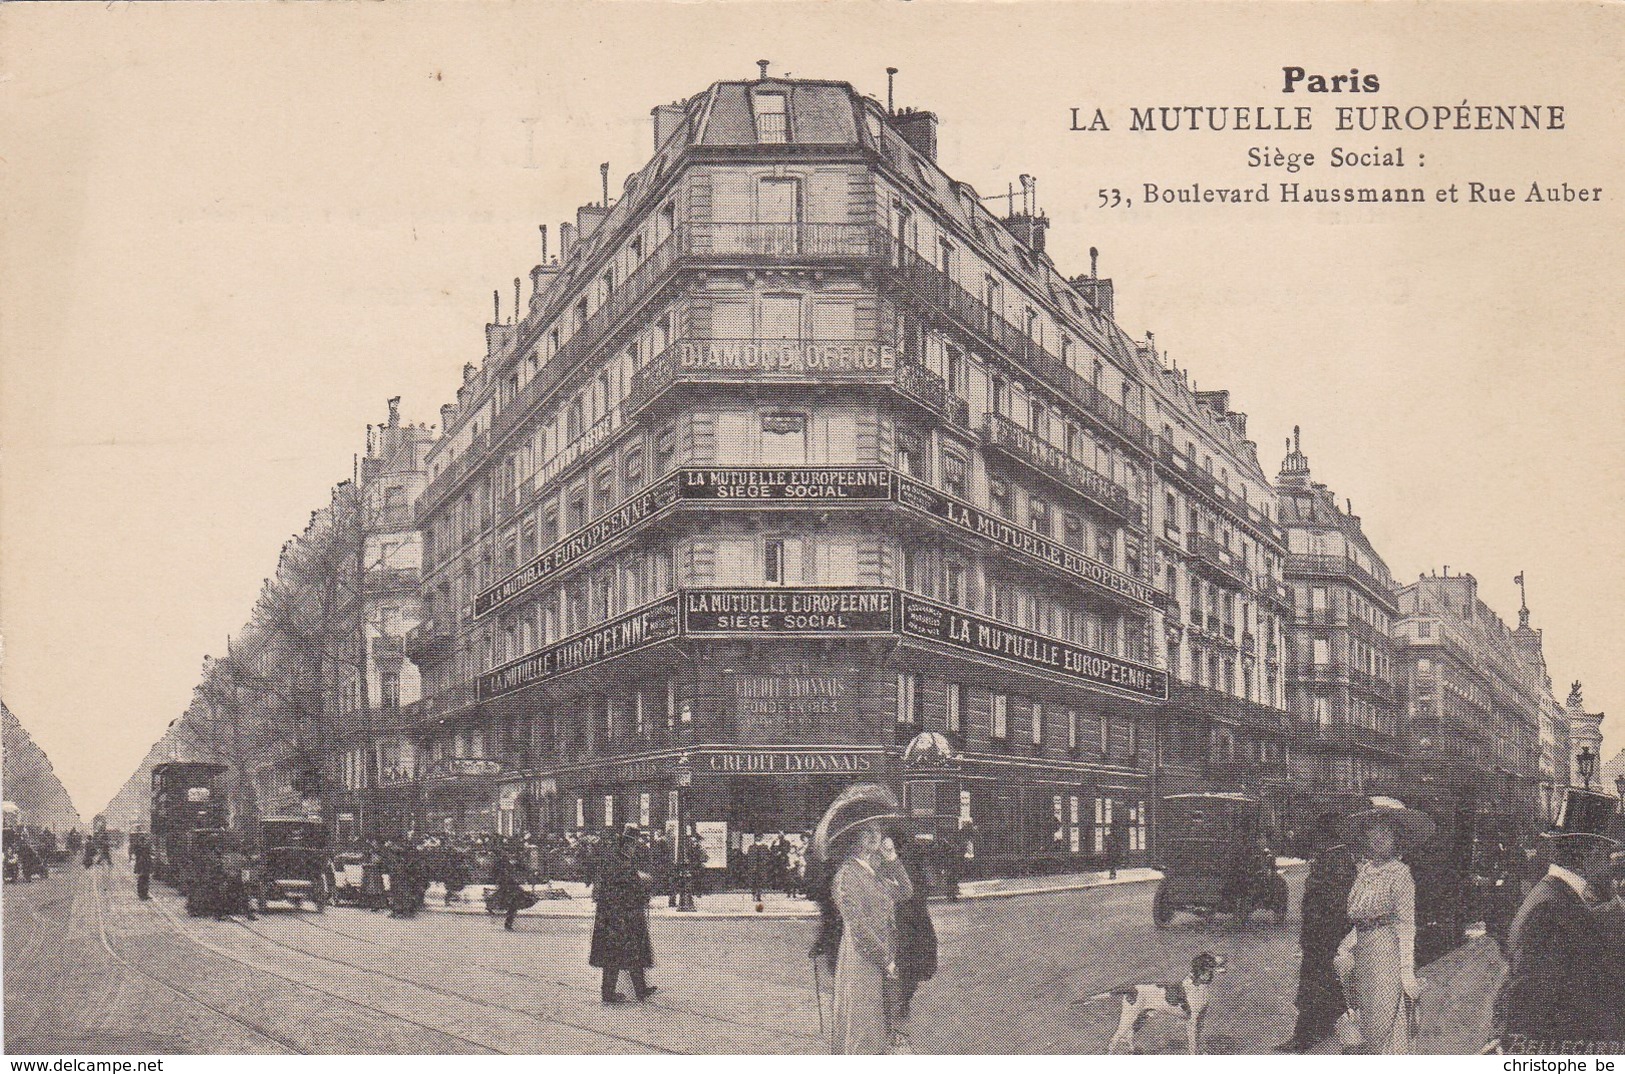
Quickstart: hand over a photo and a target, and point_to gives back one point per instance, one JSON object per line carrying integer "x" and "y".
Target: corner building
{"x": 797, "y": 452}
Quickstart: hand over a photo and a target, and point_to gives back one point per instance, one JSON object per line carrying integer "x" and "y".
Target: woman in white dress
{"x": 1377, "y": 959}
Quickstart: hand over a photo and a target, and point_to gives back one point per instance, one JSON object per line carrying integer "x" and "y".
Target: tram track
{"x": 98, "y": 897}
{"x": 550, "y": 1019}
{"x": 179, "y": 928}
{"x": 534, "y": 979}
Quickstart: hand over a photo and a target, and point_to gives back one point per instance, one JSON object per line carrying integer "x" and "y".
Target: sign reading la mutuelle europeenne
{"x": 624, "y": 634}
{"x": 927, "y": 619}
{"x": 842, "y": 611}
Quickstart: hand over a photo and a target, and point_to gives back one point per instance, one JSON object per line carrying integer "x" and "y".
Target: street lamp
{"x": 1587, "y": 760}
{"x": 683, "y": 777}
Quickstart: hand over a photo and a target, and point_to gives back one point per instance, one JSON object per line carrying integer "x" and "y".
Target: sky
{"x": 231, "y": 232}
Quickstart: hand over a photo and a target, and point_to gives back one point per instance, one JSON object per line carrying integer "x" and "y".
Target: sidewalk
{"x": 739, "y": 903}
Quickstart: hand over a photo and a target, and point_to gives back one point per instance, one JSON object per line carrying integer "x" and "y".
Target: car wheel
{"x": 1162, "y": 910}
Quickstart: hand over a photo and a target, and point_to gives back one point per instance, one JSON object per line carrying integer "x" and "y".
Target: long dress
{"x": 868, "y": 909}
{"x": 1382, "y": 907}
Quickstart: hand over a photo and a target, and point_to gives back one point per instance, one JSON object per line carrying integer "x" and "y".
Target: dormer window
{"x": 772, "y": 117}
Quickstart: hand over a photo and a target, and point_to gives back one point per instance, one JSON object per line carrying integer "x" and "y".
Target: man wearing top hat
{"x": 1563, "y": 991}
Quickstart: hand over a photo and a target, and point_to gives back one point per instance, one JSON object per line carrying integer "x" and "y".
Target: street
{"x": 90, "y": 969}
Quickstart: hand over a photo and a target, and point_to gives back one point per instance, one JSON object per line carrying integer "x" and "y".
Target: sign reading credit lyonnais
{"x": 788, "y": 611}
{"x": 786, "y": 356}
{"x": 938, "y": 622}
{"x": 962, "y": 515}
{"x": 786, "y": 483}
{"x": 634, "y": 630}
{"x": 635, "y": 510}
{"x": 766, "y": 764}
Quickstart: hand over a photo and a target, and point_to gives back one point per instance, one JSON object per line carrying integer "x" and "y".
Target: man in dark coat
{"x": 141, "y": 855}
{"x": 916, "y": 935}
{"x": 1325, "y": 923}
{"x": 620, "y": 927}
{"x": 1562, "y": 992}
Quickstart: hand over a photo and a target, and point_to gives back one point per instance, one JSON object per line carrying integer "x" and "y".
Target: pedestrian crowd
{"x": 1564, "y": 946}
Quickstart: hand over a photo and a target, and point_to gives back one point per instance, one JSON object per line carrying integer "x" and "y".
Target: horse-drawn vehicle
{"x": 1215, "y": 860}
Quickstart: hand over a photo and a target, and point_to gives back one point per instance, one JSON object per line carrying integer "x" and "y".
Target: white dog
{"x": 1187, "y": 1000}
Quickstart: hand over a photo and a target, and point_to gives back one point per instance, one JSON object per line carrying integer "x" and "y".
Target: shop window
{"x": 954, "y": 695}
{"x": 1103, "y": 824}
{"x": 1137, "y": 826}
{"x": 1001, "y": 716}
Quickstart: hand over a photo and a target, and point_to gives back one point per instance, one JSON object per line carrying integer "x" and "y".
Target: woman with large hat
{"x": 850, "y": 839}
{"x": 1377, "y": 959}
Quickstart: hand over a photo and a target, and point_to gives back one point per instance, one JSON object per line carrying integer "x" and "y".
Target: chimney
{"x": 603, "y": 178}
{"x": 448, "y": 414}
{"x": 667, "y": 118}
{"x": 469, "y": 370}
{"x": 761, "y": 69}
{"x": 567, "y": 238}
{"x": 918, "y": 129}
{"x": 1096, "y": 292}
{"x": 891, "y": 86}
{"x": 588, "y": 217}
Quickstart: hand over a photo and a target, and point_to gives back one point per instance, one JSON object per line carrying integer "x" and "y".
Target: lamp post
{"x": 683, "y": 777}
{"x": 1587, "y": 761}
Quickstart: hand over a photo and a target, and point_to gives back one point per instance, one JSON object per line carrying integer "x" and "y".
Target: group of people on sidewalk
{"x": 1564, "y": 989}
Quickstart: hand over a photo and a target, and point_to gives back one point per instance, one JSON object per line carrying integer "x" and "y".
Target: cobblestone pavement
{"x": 91, "y": 969}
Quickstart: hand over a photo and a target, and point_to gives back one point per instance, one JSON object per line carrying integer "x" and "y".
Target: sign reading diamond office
{"x": 938, "y": 622}
{"x": 753, "y": 356}
{"x": 788, "y": 611}
{"x": 624, "y": 634}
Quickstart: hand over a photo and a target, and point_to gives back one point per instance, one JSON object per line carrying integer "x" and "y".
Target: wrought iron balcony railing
{"x": 1024, "y": 446}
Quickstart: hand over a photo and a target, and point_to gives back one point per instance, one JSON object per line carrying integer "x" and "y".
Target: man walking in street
{"x": 141, "y": 855}
{"x": 1325, "y": 922}
{"x": 620, "y": 928}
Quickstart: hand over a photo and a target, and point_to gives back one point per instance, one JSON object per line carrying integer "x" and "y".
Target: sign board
{"x": 792, "y": 762}
{"x": 792, "y": 701}
{"x": 631, "y": 513}
{"x": 645, "y": 626}
{"x": 927, "y": 500}
{"x": 786, "y": 356}
{"x": 782, "y": 610}
{"x": 786, "y": 484}
{"x": 953, "y": 626}
{"x": 714, "y": 841}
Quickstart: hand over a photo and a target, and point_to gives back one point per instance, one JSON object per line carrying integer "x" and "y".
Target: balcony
{"x": 1203, "y": 701}
{"x": 1343, "y": 567}
{"x": 1372, "y": 684}
{"x": 1217, "y": 561}
{"x": 925, "y": 284}
{"x": 443, "y": 702}
{"x": 1321, "y": 617}
{"x": 428, "y": 642}
{"x": 389, "y": 649}
{"x": 794, "y": 362}
{"x": 381, "y": 579}
{"x": 1332, "y": 673}
{"x": 1185, "y": 469}
{"x": 1023, "y": 446}
{"x": 460, "y": 768}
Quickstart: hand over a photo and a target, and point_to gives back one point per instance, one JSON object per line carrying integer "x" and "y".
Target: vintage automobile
{"x": 295, "y": 865}
{"x": 1215, "y": 860}
{"x": 217, "y": 871}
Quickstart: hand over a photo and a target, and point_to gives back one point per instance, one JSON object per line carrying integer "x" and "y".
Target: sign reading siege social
{"x": 788, "y": 611}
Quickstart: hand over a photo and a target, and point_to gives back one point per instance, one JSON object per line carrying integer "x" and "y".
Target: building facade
{"x": 1472, "y": 702}
{"x": 1340, "y": 679}
{"x": 797, "y": 452}
{"x": 1585, "y": 737}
